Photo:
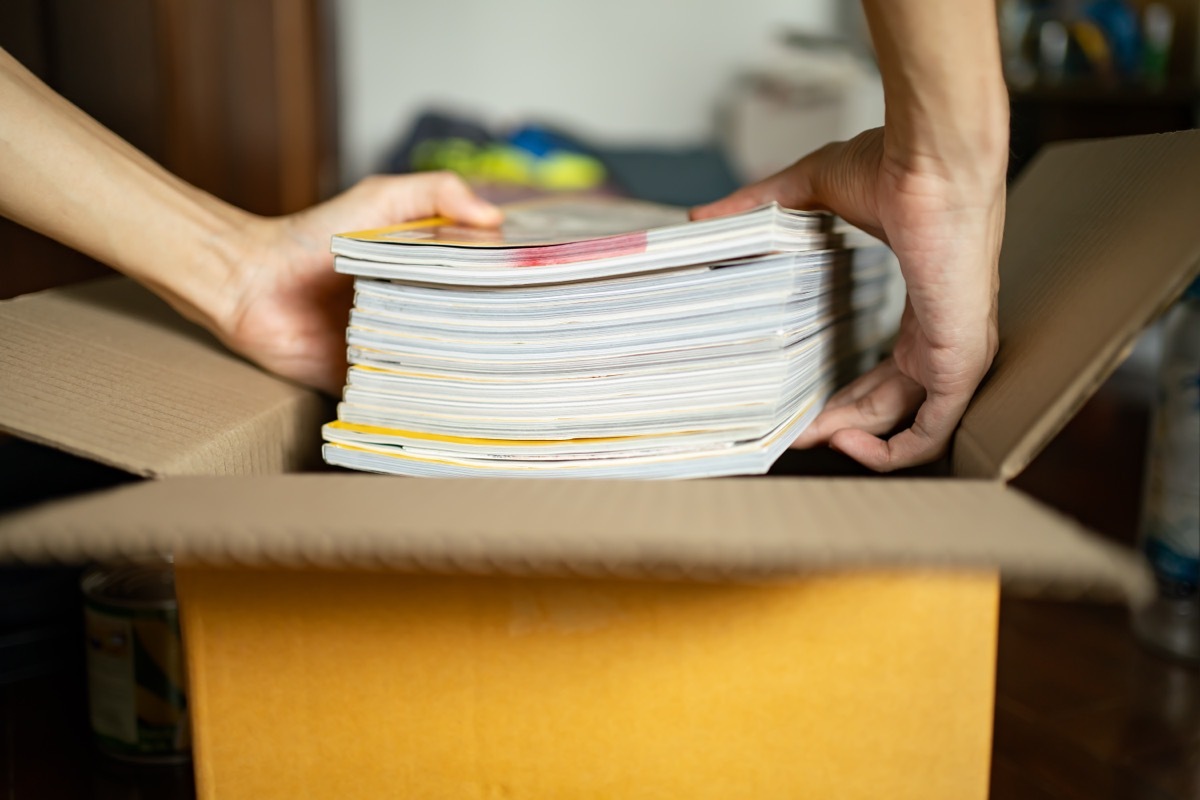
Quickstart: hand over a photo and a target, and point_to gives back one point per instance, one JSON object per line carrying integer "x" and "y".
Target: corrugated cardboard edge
{"x": 107, "y": 371}
{"x": 722, "y": 530}
{"x": 1101, "y": 236}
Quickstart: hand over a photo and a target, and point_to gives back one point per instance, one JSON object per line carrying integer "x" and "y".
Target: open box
{"x": 364, "y": 636}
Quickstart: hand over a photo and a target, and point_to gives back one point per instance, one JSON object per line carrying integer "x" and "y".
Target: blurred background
{"x": 274, "y": 105}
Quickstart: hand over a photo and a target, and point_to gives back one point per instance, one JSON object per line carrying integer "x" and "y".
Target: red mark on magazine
{"x": 626, "y": 244}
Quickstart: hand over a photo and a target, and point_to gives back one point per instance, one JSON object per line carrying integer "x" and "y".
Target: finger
{"x": 330, "y": 371}
{"x": 454, "y": 199}
{"x": 927, "y": 440}
{"x": 321, "y": 364}
{"x": 791, "y": 187}
{"x": 875, "y": 412}
{"x": 863, "y": 384}
{"x": 745, "y": 199}
{"x": 839, "y": 177}
{"x": 432, "y": 194}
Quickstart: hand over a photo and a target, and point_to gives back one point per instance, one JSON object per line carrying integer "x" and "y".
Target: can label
{"x": 136, "y": 682}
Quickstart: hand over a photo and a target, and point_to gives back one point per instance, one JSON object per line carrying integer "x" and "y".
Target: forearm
{"x": 64, "y": 175}
{"x": 947, "y": 106}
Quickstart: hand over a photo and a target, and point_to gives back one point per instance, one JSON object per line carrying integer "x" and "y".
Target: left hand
{"x": 291, "y": 309}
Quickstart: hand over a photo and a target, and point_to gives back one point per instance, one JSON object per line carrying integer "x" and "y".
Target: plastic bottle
{"x": 1170, "y": 531}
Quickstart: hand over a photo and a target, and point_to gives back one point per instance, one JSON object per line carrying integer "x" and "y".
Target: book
{"x": 565, "y": 239}
{"x": 631, "y": 369}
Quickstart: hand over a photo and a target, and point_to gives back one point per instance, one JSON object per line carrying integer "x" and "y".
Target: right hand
{"x": 944, "y": 223}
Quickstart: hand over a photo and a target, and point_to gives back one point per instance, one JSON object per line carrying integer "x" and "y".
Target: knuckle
{"x": 375, "y": 186}
{"x": 867, "y": 405}
{"x": 446, "y": 180}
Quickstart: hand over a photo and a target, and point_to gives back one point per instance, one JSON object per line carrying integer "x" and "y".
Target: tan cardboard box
{"x": 364, "y": 636}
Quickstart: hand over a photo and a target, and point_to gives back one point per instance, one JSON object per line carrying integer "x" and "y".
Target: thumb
{"x": 843, "y": 178}
{"x": 840, "y": 177}
{"x": 447, "y": 195}
{"x": 791, "y": 187}
{"x": 388, "y": 199}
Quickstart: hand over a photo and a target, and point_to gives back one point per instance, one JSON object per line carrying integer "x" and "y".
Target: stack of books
{"x": 600, "y": 338}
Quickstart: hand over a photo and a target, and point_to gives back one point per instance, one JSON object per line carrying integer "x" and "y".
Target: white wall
{"x": 616, "y": 71}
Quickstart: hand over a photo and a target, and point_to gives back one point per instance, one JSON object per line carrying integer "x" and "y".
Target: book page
{"x": 538, "y": 223}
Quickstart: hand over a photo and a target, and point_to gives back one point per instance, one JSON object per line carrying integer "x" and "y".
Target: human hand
{"x": 290, "y": 309}
{"x": 265, "y": 287}
{"x": 944, "y": 221}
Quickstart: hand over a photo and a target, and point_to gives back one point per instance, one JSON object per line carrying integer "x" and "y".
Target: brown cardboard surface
{"x": 107, "y": 371}
{"x": 326, "y": 684}
{"x": 1100, "y": 237}
{"x": 717, "y": 530}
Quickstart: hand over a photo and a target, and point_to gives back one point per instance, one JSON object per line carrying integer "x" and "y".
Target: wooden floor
{"x": 1082, "y": 711}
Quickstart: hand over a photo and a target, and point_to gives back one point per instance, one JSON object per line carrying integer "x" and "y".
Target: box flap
{"x": 108, "y": 371}
{"x": 726, "y": 529}
{"x": 1100, "y": 237}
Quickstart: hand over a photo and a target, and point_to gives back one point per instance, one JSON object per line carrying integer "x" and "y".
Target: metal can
{"x": 137, "y": 695}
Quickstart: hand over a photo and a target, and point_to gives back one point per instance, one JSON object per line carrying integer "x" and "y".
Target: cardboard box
{"x": 365, "y": 636}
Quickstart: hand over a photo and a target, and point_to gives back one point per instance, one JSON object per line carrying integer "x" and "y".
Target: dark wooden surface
{"x": 1042, "y": 116}
{"x": 1083, "y": 712}
{"x": 237, "y": 97}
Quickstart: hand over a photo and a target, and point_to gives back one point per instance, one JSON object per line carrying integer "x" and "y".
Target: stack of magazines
{"x": 599, "y": 338}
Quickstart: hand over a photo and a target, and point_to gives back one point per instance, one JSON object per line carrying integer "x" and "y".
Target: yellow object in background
{"x": 557, "y": 170}
{"x": 565, "y": 171}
